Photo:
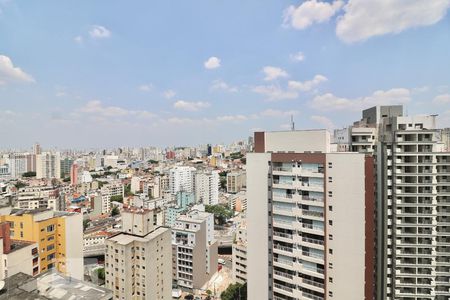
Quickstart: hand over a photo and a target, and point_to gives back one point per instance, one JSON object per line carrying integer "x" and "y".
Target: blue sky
{"x": 112, "y": 73}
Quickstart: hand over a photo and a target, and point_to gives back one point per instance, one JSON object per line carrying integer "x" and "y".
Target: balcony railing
{"x": 312, "y": 241}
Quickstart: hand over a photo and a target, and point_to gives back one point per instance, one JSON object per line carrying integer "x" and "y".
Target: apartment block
{"x": 48, "y": 165}
{"x": 414, "y": 200}
{"x": 239, "y": 252}
{"x": 181, "y": 178}
{"x": 59, "y": 236}
{"x": 16, "y": 256}
{"x": 109, "y": 190}
{"x": 310, "y": 219}
{"x": 194, "y": 250}
{"x": 207, "y": 187}
{"x": 138, "y": 260}
{"x": 235, "y": 182}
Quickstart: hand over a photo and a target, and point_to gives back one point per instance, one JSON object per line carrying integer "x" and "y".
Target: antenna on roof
{"x": 292, "y": 123}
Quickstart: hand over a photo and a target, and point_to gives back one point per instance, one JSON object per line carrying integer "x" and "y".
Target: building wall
{"x": 346, "y": 236}
{"x": 257, "y": 230}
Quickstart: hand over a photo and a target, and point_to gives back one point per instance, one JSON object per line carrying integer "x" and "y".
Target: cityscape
{"x": 294, "y": 150}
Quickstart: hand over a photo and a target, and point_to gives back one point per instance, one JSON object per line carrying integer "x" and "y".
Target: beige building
{"x": 239, "y": 267}
{"x": 235, "y": 181}
{"x": 48, "y": 165}
{"x": 138, "y": 260}
{"x": 194, "y": 250}
{"x": 310, "y": 219}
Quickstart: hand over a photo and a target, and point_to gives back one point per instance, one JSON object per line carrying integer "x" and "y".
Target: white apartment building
{"x": 39, "y": 197}
{"x": 138, "y": 260}
{"x": 207, "y": 187}
{"x": 181, "y": 178}
{"x": 239, "y": 260}
{"x": 310, "y": 219}
{"x": 194, "y": 250}
{"x": 109, "y": 190}
{"x": 415, "y": 207}
{"x": 48, "y": 165}
{"x": 17, "y": 164}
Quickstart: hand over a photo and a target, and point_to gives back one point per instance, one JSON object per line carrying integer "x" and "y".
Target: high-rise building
{"x": 194, "y": 249}
{"x": 59, "y": 236}
{"x": 181, "y": 178}
{"x": 310, "y": 219}
{"x": 414, "y": 213}
{"x": 65, "y": 167}
{"x": 74, "y": 174}
{"x": 17, "y": 164}
{"x": 48, "y": 165}
{"x": 207, "y": 187}
{"x": 37, "y": 149}
{"x": 138, "y": 260}
{"x": 235, "y": 181}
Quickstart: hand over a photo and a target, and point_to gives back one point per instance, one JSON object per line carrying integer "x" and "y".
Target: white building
{"x": 138, "y": 261}
{"x": 48, "y": 165}
{"x": 207, "y": 187}
{"x": 17, "y": 164}
{"x": 194, "y": 249}
{"x": 109, "y": 190}
{"x": 235, "y": 181}
{"x": 181, "y": 178}
{"x": 310, "y": 219}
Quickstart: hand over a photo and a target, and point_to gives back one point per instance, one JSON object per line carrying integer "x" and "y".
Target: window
{"x": 330, "y": 279}
{"x": 50, "y": 228}
{"x": 330, "y": 179}
{"x": 330, "y": 251}
{"x": 330, "y": 208}
{"x": 330, "y": 237}
{"x": 330, "y": 165}
{"x": 330, "y": 222}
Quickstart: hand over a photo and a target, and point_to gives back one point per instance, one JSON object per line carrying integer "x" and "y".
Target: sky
{"x": 112, "y": 73}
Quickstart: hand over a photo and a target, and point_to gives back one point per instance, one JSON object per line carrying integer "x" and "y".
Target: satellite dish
{"x": 2, "y": 285}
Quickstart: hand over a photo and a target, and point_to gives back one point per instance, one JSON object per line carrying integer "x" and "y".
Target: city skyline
{"x": 129, "y": 74}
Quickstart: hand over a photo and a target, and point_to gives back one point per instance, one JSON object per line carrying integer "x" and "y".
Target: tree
{"x": 29, "y": 174}
{"x": 128, "y": 190}
{"x": 101, "y": 273}
{"x": 235, "y": 291}
{"x": 85, "y": 224}
{"x": 117, "y": 198}
{"x": 20, "y": 184}
{"x": 221, "y": 213}
{"x": 115, "y": 211}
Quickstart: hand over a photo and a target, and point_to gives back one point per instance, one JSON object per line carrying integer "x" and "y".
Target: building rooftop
{"x": 124, "y": 238}
{"x": 51, "y": 286}
{"x": 57, "y": 286}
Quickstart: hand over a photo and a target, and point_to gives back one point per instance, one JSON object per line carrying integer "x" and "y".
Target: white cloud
{"x": 324, "y": 121}
{"x": 169, "y": 94}
{"x": 273, "y": 73}
{"x": 310, "y": 12}
{"x": 222, "y": 85}
{"x": 190, "y": 106}
{"x": 364, "y": 19}
{"x": 274, "y": 92}
{"x": 307, "y": 85}
{"x": 232, "y": 118}
{"x": 10, "y": 73}
{"x": 99, "y": 32}
{"x": 275, "y": 113}
{"x": 78, "y": 39}
{"x": 390, "y": 97}
{"x": 297, "y": 57}
{"x": 145, "y": 87}
{"x": 97, "y": 109}
{"x": 442, "y": 99}
{"x": 212, "y": 63}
